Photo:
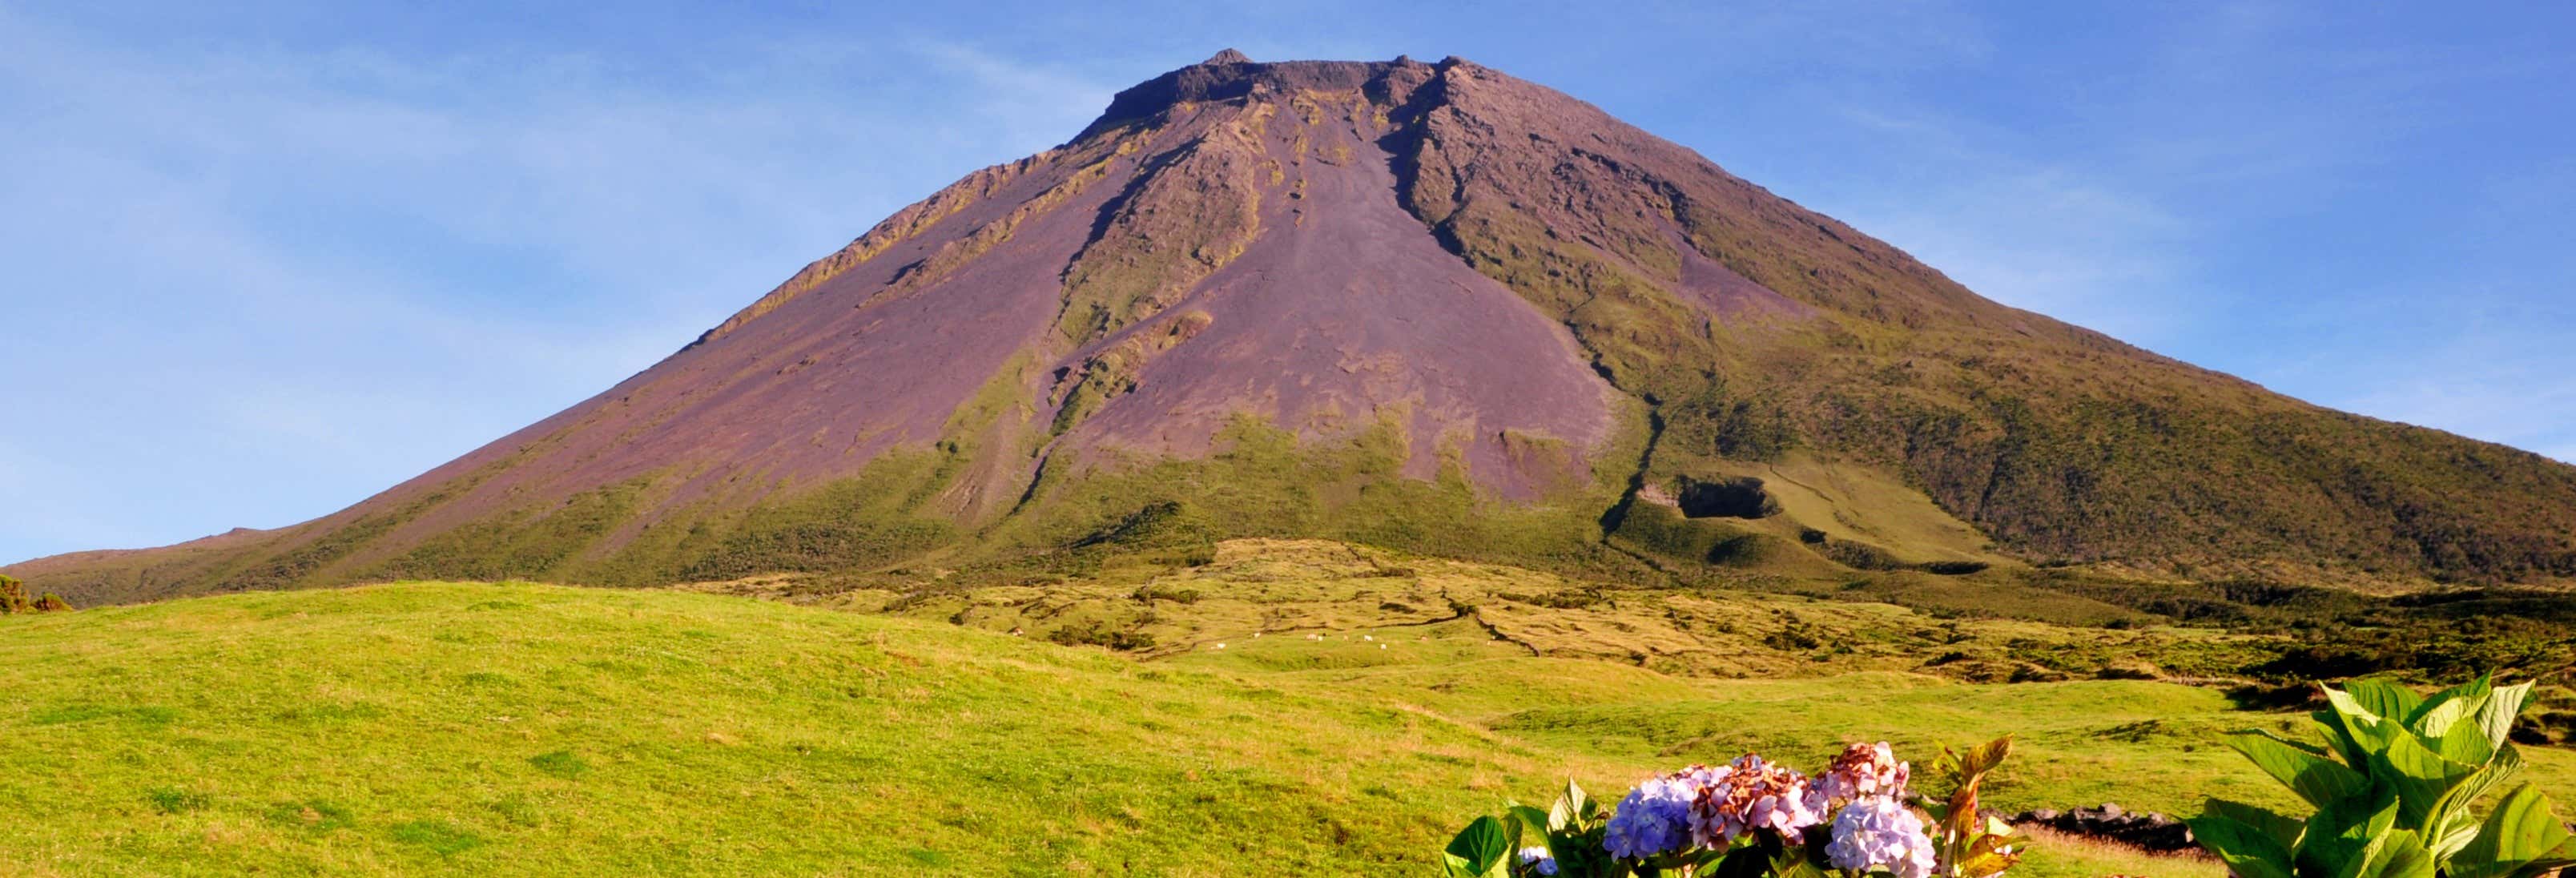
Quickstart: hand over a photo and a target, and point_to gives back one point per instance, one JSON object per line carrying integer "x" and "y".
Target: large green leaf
{"x": 1579, "y": 806}
{"x": 2453, "y": 822}
{"x": 1482, "y": 850}
{"x": 2452, "y": 729}
{"x": 2399, "y": 854}
{"x": 2384, "y": 698}
{"x": 2339, "y": 836}
{"x": 2364, "y": 732}
{"x": 2282, "y": 828}
{"x": 2471, "y": 690}
{"x": 2314, "y": 776}
{"x": 1532, "y": 820}
{"x": 2420, "y": 776}
{"x": 2519, "y": 831}
{"x": 2248, "y": 851}
{"x": 2549, "y": 864}
{"x": 2502, "y": 709}
{"x": 2340, "y": 737}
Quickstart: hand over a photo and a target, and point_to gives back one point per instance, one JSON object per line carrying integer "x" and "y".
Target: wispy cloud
{"x": 2249, "y": 186}
{"x": 2071, "y": 242}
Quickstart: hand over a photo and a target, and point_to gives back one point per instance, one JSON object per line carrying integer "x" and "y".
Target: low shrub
{"x": 1121, "y": 640}
{"x": 168, "y": 800}
{"x": 1860, "y": 556}
{"x": 14, "y": 599}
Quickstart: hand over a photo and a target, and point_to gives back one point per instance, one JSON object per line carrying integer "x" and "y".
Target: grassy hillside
{"x": 467, "y": 728}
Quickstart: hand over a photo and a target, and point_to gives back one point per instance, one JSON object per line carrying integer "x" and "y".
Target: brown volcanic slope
{"x": 1426, "y": 305}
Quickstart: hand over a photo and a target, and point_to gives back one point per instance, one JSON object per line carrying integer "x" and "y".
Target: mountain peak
{"x": 1230, "y": 75}
{"x": 1427, "y": 305}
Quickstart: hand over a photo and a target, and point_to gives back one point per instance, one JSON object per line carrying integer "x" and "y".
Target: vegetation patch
{"x": 436, "y": 836}
{"x": 560, "y": 763}
{"x": 172, "y": 800}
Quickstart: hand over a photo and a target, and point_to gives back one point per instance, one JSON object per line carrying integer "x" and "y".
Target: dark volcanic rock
{"x": 2150, "y": 832}
{"x": 1739, "y": 497}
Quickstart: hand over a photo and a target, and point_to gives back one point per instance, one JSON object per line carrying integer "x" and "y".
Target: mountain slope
{"x": 1425, "y": 305}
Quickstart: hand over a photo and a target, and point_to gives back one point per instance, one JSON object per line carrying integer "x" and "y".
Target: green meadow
{"x": 452, "y": 728}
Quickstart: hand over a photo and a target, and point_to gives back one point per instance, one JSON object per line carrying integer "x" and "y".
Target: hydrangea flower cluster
{"x": 1854, "y": 819}
{"x": 1754, "y": 794}
{"x": 1878, "y": 831}
{"x": 1863, "y": 770}
{"x": 1860, "y": 797}
{"x": 1655, "y": 818}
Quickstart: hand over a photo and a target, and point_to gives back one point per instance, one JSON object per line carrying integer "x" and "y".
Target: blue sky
{"x": 267, "y": 259}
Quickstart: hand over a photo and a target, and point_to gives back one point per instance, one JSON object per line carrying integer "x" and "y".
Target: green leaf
{"x": 2359, "y": 731}
{"x": 2451, "y": 729}
{"x": 1987, "y": 855}
{"x": 2247, "y": 850}
{"x": 2502, "y": 710}
{"x": 1483, "y": 847}
{"x": 2281, "y": 828}
{"x": 2420, "y": 776}
{"x": 2519, "y": 831}
{"x": 2311, "y": 774}
{"x": 2399, "y": 854}
{"x": 2563, "y": 856}
{"x": 2470, "y": 691}
{"x": 2341, "y": 738}
{"x": 1793, "y": 863}
{"x": 1533, "y": 820}
{"x": 1987, "y": 757}
{"x": 1578, "y": 806}
{"x": 2453, "y": 824}
{"x": 2384, "y": 698}
{"x": 2338, "y": 838}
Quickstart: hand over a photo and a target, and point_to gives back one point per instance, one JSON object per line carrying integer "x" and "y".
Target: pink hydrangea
{"x": 1754, "y": 795}
{"x": 1863, "y": 770}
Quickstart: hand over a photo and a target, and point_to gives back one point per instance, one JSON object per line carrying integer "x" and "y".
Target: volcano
{"x": 1421, "y": 305}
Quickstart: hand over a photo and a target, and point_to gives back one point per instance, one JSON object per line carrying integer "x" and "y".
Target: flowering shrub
{"x": 1752, "y": 818}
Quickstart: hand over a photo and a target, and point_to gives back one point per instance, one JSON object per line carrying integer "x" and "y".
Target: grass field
{"x": 529, "y": 729}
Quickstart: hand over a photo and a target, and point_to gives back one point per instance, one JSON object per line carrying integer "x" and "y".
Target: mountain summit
{"x": 1425, "y": 305}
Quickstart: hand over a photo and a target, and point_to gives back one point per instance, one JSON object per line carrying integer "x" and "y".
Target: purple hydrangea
{"x": 1655, "y": 818}
{"x": 1538, "y": 860}
{"x": 1878, "y": 831}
